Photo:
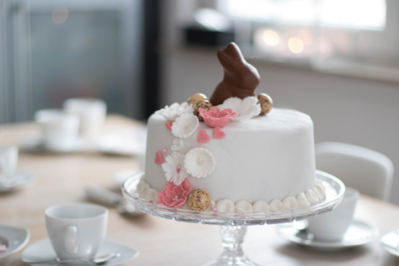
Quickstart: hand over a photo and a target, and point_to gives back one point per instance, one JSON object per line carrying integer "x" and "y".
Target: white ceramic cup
{"x": 76, "y": 230}
{"x": 60, "y": 130}
{"x": 333, "y": 225}
{"x": 8, "y": 162}
{"x": 92, "y": 114}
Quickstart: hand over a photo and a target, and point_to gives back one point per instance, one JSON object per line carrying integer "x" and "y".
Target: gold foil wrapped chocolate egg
{"x": 266, "y": 103}
{"x": 199, "y": 200}
{"x": 195, "y": 98}
{"x": 201, "y": 104}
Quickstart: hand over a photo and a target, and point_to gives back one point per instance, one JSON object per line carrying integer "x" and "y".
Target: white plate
{"x": 390, "y": 242}
{"x": 359, "y": 233}
{"x": 21, "y": 180}
{"x": 14, "y": 238}
{"x": 128, "y": 142}
{"x": 37, "y": 146}
{"x": 43, "y": 251}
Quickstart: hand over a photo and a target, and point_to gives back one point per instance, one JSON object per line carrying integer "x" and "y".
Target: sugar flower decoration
{"x": 216, "y": 117}
{"x": 174, "y": 195}
{"x": 184, "y": 126}
{"x": 174, "y": 168}
{"x": 246, "y": 108}
{"x": 177, "y": 144}
{"x": 199, "y": 162}
{"x": 175, "y": 110}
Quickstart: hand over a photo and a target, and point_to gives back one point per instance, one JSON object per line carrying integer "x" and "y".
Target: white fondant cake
{"x": 256, "y": 164}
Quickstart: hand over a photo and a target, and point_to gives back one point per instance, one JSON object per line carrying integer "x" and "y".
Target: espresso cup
{"x": 8, "y": 162}
{"x": 92, "y": 114}
{"x": 332, "y": 226}
{"x": 76, "y": 230}
{"x": 60, "y": 130}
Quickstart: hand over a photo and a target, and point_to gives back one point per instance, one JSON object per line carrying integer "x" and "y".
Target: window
{"x": 352, "y": 14}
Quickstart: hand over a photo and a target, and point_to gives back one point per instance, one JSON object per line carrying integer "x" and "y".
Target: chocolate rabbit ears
{"x": 240, "y": 78}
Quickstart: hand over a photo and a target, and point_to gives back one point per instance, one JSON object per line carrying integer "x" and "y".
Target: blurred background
{"x": 337, "y": 60}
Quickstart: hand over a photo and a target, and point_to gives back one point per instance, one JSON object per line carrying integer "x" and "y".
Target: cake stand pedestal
{"x": 234, "y": 225}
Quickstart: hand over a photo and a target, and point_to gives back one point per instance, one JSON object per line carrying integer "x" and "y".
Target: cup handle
{"x": 70, "y": 244}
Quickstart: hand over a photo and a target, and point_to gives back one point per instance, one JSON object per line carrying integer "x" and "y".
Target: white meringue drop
{"x": 290, "y": 203}
{"x": 151, "y": 195}
{"x": 244, "y": 206}
{"x": 302, "y": 201}
{"x": 311, "y": 197}
{"x": 276, "y": 205}
{"x": 261, "y": 206}
{"x": 225, "y": 205}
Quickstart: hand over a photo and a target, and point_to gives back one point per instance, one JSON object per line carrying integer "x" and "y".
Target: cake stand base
{"x": 232, "y": 239}
{"x": 234, "y": 225}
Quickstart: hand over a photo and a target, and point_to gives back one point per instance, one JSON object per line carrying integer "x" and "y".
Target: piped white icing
{"x": 199, "y": 162}
{"x": 290, "y": 203}
{"x": 302, "y": 201}
{"x": 276, "y": 205}
{"x": 142, "y": 188}
{"x": 174, "y": 168}
{"x": 246, "y": 108}
{"x": 225, "y": 205}
{"x": 175, "y": 110}
{"x": 311, "y": 197}
{"x": 184, "y": 126}
{"x": 151, "y": 195}
{"x": 243, "y": 206}
{"x": 320, "y": 185}
{"x": 261, "y": 206}
{"x": 319, "y": 193}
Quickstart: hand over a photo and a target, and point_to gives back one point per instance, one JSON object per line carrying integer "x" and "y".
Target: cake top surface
{"x": 276, "y": 119}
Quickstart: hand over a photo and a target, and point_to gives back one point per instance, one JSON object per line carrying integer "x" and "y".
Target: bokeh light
{"x": 270, "y": 37}
{"x": 295, "y": 45}
{"x": 60, "y": 15}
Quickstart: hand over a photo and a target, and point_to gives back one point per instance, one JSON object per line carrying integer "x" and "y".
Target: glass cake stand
{"x": 234, "y": 225}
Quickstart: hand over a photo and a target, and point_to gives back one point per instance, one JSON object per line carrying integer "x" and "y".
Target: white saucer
{"x": 121, "y": 176}
{"x": 14, "y": 238}
{"x": 37, "y": 146}
{"x": 390, "y": 242}
{"x": 358, "y": 234}
{"x": 43, "y": 251}
{"x": 21, "y": 180}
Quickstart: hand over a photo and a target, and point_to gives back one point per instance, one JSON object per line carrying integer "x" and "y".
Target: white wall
{"x": 357, "y": 111}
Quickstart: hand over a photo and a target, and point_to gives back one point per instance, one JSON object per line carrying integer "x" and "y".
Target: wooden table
{"x": 62, "y": 179}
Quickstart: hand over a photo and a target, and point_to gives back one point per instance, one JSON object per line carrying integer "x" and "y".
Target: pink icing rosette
{"x": 174, "y": 196}
{"x": 216, "y": 117}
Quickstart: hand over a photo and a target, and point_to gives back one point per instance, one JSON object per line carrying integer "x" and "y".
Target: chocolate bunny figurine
{"x": 240, "y": 78}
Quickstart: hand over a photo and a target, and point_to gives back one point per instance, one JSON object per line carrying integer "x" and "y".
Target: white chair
{"x": 366, "y": 170}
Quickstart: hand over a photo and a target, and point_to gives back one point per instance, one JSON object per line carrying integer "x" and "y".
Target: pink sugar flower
{"x": 216, "y": 117}
{"x": 174, "y": 196}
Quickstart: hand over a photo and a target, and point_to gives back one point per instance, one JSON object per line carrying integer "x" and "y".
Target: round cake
{"x": 238, "y": 156}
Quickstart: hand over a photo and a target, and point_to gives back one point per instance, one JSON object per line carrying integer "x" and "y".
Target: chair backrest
{"x": 366, "y": 170}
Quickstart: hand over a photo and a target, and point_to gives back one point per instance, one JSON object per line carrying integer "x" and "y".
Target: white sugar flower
{"x": 185, "y": 125}
{"x": 246, "y": 108}
{"x": 199, "y": 162}
{"x": 174, "y": 168}
{"x": 175, "y": 110}
{"x": 177, "y": 144}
